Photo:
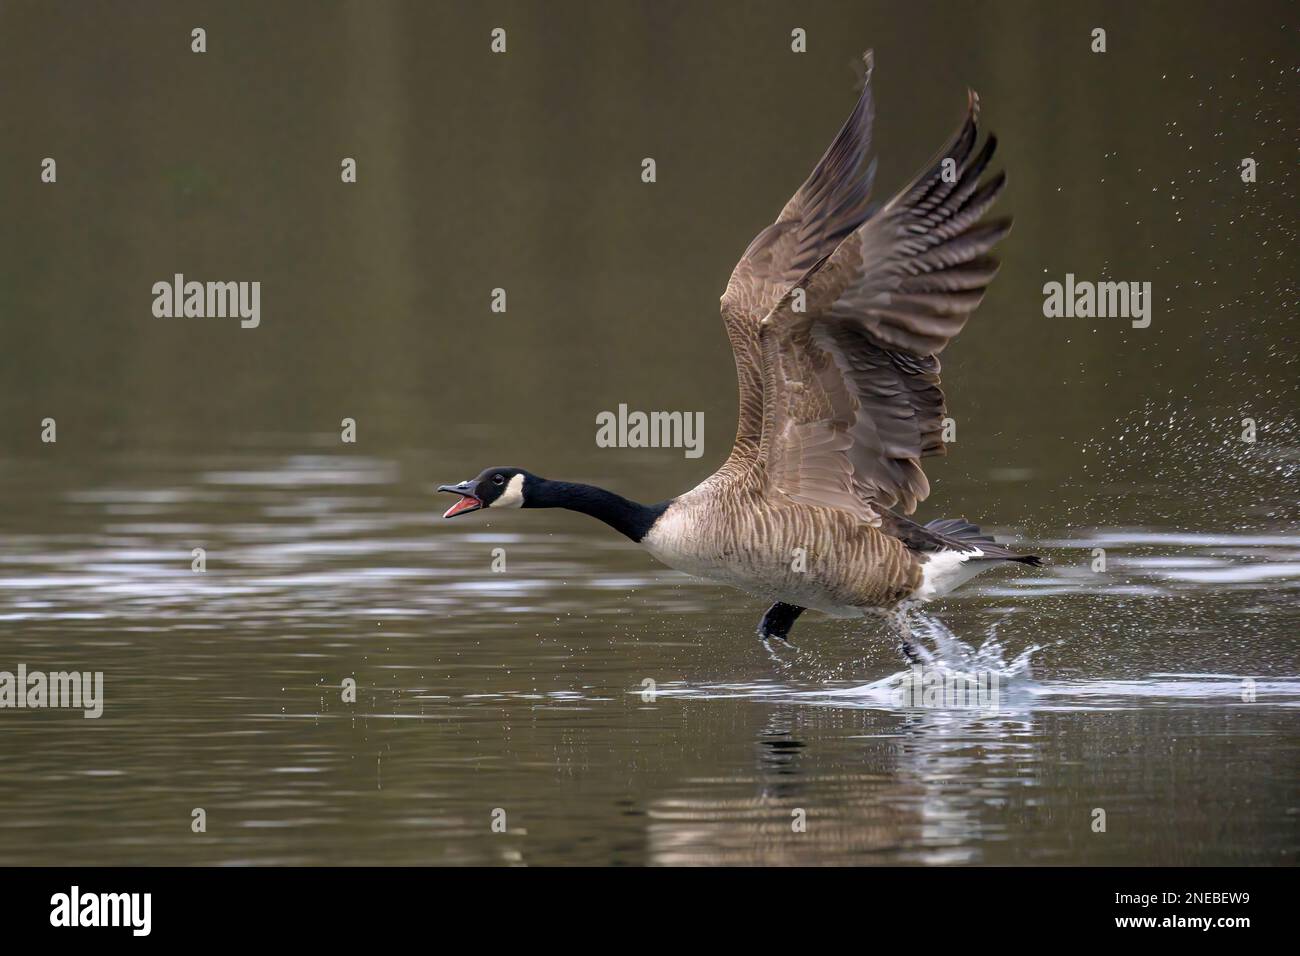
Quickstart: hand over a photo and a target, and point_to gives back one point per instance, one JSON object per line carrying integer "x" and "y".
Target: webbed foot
{"x": 779, "y": 621}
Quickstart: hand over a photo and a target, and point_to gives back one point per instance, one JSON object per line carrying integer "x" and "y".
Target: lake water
{"x": 523, "y": 690}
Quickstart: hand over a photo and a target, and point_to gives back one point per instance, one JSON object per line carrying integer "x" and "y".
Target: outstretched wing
{"x": 827, "y": 208}
{"x": 850, "y": 382}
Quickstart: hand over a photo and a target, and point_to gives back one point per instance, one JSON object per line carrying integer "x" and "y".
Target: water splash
{"x": 949, "y": 652}
{"x": 951, "y": 674}
{"x": 948, "y": 662}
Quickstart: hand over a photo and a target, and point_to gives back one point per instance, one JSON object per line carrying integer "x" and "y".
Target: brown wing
{"x": 850, "y": 374}
{"x": 826, "y": 208}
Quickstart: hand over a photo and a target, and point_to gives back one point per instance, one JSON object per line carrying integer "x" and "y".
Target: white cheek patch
{"x": 513, "y": 496}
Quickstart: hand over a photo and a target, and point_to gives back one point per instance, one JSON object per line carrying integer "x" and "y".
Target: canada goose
{"x": 836, "y": 314}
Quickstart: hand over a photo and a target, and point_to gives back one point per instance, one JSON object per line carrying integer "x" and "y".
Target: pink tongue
{"x": 467, "y": 501}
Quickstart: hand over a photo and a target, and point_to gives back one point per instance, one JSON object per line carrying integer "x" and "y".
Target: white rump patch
{"x": 513, "y": 496}
{"x": 945, "y": 571}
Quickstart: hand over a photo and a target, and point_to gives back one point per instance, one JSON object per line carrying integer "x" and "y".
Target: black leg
{"x": 778, "y": 620}
{"x": 903, "y": 628}
{"x": 909, "y": 651}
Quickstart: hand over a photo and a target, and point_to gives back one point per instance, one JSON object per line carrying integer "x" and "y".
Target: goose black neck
{"x": 626, "y": 517}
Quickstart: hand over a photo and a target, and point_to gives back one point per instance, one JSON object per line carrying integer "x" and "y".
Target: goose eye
{"x": 498, "y": 480}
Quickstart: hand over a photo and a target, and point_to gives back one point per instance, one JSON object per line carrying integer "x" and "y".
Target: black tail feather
{"x": 950, "y": 534}
{"x": 965, "y": 535}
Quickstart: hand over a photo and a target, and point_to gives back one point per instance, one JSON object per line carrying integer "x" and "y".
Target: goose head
{"x": 492, "y": 488}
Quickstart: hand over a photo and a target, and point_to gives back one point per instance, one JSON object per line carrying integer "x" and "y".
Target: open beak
{"x": 467, "y": 501}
